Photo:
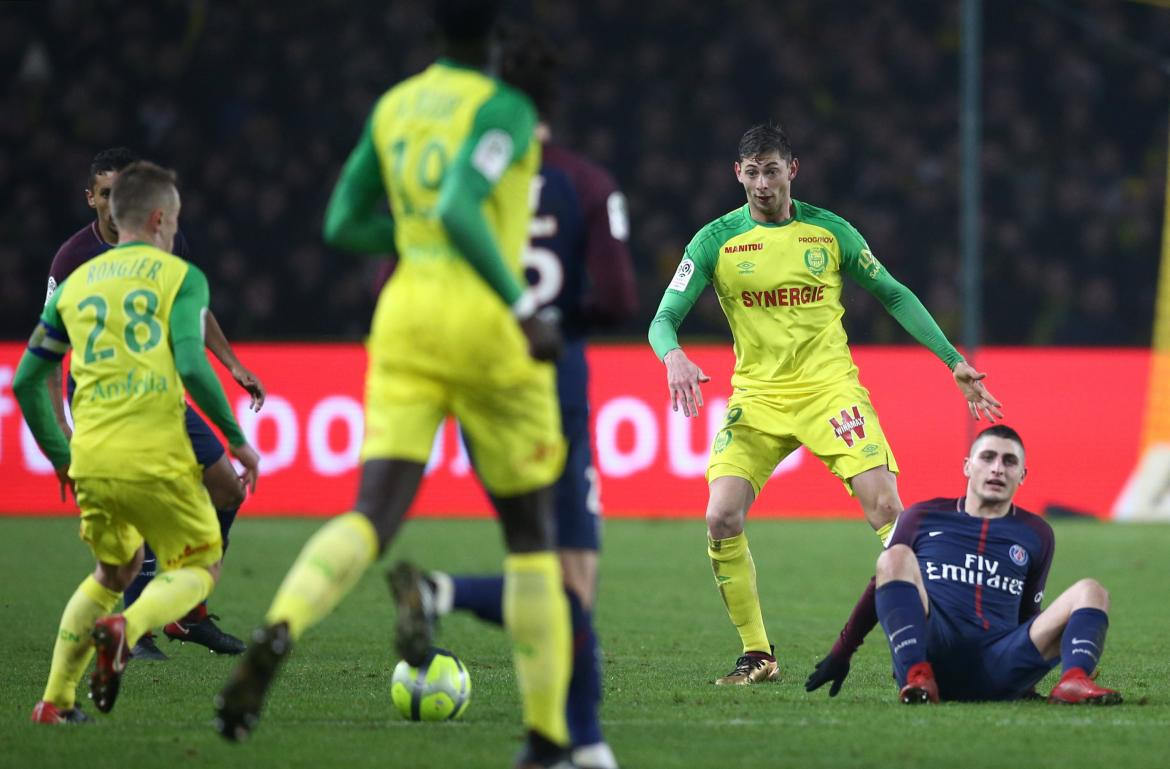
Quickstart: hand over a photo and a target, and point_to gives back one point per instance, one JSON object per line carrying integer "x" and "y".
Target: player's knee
{"x": 724, "y": 522}
{"x": 896, "y": 563}
{"x": 1092, "y": 594}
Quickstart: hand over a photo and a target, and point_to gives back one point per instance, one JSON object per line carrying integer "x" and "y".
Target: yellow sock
{"x": 735, "y": 575}
{"x": 74, "y": 645}
{"x": 328, "y": 567}
{"x": 536, "y": 614}
{"x": 166, "y": 598}
{"x": 884, "y": 533}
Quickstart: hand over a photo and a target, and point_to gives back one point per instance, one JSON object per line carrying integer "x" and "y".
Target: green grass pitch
{"x": 665, "y": 636}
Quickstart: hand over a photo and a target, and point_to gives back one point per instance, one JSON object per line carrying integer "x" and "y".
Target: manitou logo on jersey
{"x": 849, "y": 426}
{"x": 741, "y": 247}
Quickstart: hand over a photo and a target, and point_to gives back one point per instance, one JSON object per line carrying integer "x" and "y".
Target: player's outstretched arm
{"x": 219, "y": 346}
{"x": 186, "y": 330}
{"x": 354, "y": 219}
{"x": 683, "y": 377}
{"x": 53, "y": 381}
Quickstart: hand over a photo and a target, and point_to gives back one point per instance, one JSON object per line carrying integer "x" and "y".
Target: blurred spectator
{"x": 256, "y": 105}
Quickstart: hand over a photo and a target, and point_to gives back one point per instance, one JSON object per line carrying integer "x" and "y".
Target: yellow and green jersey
{"x": 453, "y": 151}
{"x": 780, "y": 288}
{"x": 129, "y": 314}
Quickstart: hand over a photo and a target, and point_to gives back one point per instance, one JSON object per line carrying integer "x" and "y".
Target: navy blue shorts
{"x": 207, "y": 447}
{"x": 972, "y": 665}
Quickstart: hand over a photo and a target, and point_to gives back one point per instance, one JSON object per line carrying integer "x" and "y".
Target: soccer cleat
{"x": 109, "y": 638}
{"x": 541, "y": 753}
{"x": 146, "y": 649}
{"x": 595, "y": 756}
{"x": 45, "y": 712}
{"x": 920, "y": 687}
{"x": 238, "y": 705}
{"x": 414, "y": 600}
{"x": 751, "y": 668}
{"x": 1075, "y": 687}
{"x": 199, "y": 627}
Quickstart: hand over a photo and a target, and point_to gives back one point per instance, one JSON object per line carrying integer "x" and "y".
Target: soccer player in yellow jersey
{"x": 134, "y": 316}
{"x": 454, "y": 334}
{"x": 777, "y": 266}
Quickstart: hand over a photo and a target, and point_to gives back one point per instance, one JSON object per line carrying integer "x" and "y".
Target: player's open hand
{"x": 250, "y": 382}
{"x": 65, "y": 481}
{"x": 684, "y": 377}
{"x": 543, "y": 331}
{"x": 251, "y": 462}
{"x": 979, "y": 400}
{"x": 829, "y": 669}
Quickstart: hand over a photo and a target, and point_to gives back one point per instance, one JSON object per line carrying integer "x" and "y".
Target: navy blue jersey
{"x": 84, "y": 245}
{"x": 578, "y": 260}
{"x": 987, "y": 574}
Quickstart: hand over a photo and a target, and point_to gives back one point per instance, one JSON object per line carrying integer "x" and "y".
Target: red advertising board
{"x": 1079, "y": 411}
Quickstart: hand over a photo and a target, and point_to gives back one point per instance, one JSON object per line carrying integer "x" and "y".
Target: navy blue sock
{"x": 482, "y": 596}
{"x": 226, "y": 518}
{"x": 584, "y": 703}
{"x": 145, "y": 575}
{"x": 1083, "y": 640}
{"x": 899, "y": 609}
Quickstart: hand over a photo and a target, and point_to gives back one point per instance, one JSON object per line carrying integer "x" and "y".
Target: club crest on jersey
{"x": 816, "y": 259}
{"x": 849, "y": 426}
{"x": 1018, "y": 555}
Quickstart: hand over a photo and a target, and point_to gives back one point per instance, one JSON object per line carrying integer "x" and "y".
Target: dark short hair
{"x": 140, "y": 188}
{"x": 1000, "y": 431}
{"x": 529, "y": 62}
{"x": 466, "y": 21}
{"x": 764, "y": 138}
{"x": 113, "y": 159}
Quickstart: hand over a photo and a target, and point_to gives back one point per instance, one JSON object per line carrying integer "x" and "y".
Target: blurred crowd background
{"x": 257, "y": 105}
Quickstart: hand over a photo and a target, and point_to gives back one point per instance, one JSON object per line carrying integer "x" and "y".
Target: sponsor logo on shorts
{"x": 849, "y": 425}
{"x": 871, "y": 449}
{"x": 722, "y": 441}
{"x": 1018, "y": 555}
{"x": 816, "y": 259}
{"x": 189, "y": 551}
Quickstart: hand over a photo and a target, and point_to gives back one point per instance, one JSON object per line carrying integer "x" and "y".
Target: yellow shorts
{"x": 838, "y": 425}
{"x": 513, "y": 428}
{"x": 174, "y": 515}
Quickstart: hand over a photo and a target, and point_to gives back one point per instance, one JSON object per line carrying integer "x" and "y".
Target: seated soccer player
{"x": 958, "y": 593}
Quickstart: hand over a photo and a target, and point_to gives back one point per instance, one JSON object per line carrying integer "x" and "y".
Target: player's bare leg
{"x": 328, "y": 567}
{"x": 223, "y": 485}
{"x": 877, "y": 491}
{"x": 735, "y": 576}
{"x": 579, "y": 567}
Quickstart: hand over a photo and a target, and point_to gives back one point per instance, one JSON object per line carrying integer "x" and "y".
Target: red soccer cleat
{"x": 920, "y": 685}
{"x": 45, "y": 712}
{"x": 109, "y": 638}
{"x": 1076, "y": 688}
